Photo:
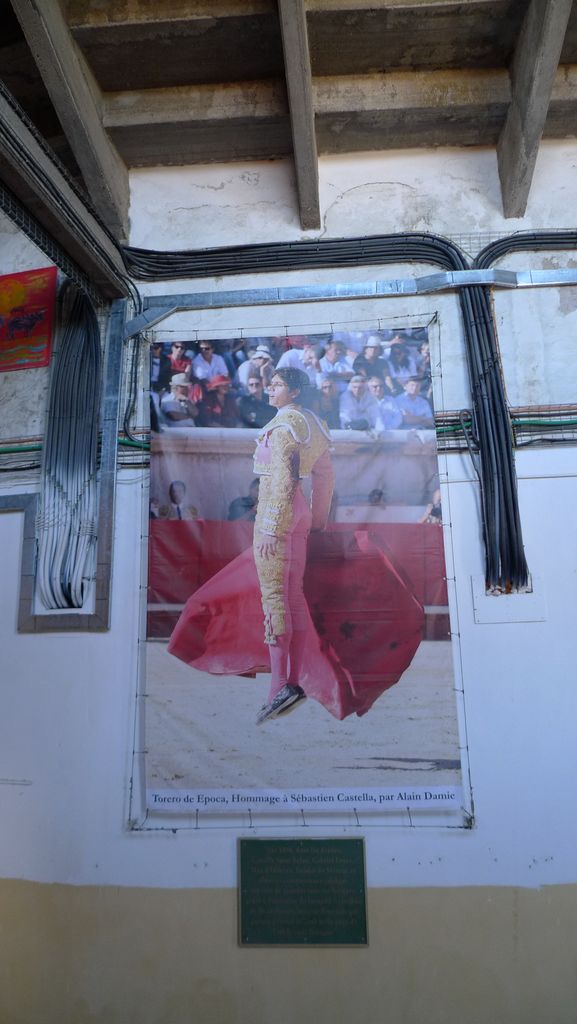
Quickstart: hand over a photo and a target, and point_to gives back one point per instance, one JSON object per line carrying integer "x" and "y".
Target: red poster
{"x": 26, "y": 318}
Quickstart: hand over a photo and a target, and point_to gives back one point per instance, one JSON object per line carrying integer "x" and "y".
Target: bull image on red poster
{"x": 26, "y": 318}
{"x": 280, "y": 618}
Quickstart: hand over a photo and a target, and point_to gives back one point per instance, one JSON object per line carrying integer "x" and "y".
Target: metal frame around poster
{"x": 158, "y": 308}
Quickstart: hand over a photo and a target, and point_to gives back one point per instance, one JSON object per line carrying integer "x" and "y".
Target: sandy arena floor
{"x": 201, "y": 731}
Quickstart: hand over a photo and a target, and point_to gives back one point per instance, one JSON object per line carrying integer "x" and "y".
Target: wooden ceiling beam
{"x": 300, "y": 96}
{"x": 78, "y": 103}
{"x": 353, "y": 113}
{"x": 532, "y": 73}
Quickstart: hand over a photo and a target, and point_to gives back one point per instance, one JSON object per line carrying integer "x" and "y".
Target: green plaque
{"x": 302, "y": 892}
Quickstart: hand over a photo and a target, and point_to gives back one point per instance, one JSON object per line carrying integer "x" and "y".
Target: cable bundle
{"x": 505, "y": 563}
{"x": 503, "y": 515}
{"x": 525, "y": 241}
{"x": 152, "y": 265}
{"x": 67, "y": 518}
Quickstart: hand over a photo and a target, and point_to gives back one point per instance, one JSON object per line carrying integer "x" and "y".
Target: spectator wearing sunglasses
{"x": 179, "y": 361}
{"x": 207, "y": 364}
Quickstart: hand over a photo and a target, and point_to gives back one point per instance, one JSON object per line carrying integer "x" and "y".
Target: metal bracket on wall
{"x": 79, "y": 621}
{"x": 159, "y": 307}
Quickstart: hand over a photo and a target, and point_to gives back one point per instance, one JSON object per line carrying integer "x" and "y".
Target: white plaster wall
{"x": 537, "y": 330}
{"x": 67, "y": 703}
{"x": 452, "y": 192}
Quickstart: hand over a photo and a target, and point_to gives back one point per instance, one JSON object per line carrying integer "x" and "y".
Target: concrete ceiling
{"x": 114, "y": 84}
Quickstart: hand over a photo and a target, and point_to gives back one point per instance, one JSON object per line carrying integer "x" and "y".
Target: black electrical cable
{"x": 132, "y": 388}
{"x": 505, "y": 553}
{"x": 486, "y": 422}
{"x": 154, "y": 265}
{"x": 66, "y": 523}
{"x": 525, "y": 241}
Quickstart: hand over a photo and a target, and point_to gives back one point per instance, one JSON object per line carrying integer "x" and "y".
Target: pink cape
{"x": 364, "y": 623}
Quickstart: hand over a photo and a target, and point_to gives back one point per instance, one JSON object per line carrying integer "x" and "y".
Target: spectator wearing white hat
{"x": 248, "y": 368}
{"x": 370, "y": 361}
{"x": 261, "y": 365}
{"x": 176, "y": 407}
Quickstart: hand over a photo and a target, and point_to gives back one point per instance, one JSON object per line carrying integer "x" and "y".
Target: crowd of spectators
{"x": 375, "y": 381}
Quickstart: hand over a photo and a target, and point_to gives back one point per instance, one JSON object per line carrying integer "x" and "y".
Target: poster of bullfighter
{"x": 299, "y": 656}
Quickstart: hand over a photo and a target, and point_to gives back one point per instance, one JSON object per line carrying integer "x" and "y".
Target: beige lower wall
{"x": 81, "y": 955}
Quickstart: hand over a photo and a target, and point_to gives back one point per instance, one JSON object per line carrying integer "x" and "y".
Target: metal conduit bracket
{"x": 159, "y": 307}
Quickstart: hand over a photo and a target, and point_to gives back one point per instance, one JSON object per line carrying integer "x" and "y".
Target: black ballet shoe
{"x": 290, "y": 707}
{"x": 284, "y": 701}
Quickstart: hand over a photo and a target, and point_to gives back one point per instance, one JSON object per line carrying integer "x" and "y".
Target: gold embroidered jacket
{"x": 295, "y": 444}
